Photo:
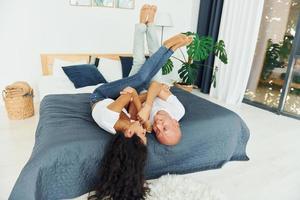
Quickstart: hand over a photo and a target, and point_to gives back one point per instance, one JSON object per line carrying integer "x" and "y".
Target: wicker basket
{"x": 19, "y": 107}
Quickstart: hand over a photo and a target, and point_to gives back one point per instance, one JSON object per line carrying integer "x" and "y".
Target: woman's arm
{"x": 123, "y": 123}
{"x": 143, "y": 97}
{"x": 135, "y": 106}
{"x": 136, "y": 102}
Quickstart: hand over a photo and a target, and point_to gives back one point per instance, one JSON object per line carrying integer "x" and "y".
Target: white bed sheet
{"x": 56, "y": 85}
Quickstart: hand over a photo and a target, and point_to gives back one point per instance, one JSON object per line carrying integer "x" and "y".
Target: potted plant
{"x": 198, "y": 50}
{"x": 277, "y": 55}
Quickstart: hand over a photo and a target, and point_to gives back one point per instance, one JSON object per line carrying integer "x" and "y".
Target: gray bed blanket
{"x": 69, "y": 146}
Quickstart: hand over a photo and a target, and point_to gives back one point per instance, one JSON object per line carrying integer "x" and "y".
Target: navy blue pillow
{"x": 84, "y": 75}
{"x": 127, "y": 63}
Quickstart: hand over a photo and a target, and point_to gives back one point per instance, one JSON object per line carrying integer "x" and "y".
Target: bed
{"x": 50, "y": 83}
{"x": 69, "y": 146}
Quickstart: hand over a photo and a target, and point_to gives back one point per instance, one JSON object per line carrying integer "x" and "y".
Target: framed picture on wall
{"x": 127, "y": 4}
{"x": 103, "y": 3}
{"x": 81, "y": 2}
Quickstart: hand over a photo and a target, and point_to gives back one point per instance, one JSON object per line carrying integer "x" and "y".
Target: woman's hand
{"x": 132, "y": 110}
{"x": 129, "y": 90}
{"x": 134, "y": 128}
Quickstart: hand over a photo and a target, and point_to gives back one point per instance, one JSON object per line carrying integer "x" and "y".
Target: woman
{"x": 121, "y": 173}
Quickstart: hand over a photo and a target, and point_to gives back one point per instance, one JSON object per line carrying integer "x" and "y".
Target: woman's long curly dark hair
{"x": 122, "y": 170}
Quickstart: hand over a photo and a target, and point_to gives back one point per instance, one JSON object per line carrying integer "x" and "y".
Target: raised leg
{"x": 137, "y": 81}
{"x": 152, "y": 40}
{"x": 143, "y": 77}
{"x": 139, "y": 40}
{"x": 138, "y": 48}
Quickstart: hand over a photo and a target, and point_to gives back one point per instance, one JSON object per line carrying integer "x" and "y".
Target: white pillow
{"x": 110, "y": 69}
{"x": 58, "y": 64}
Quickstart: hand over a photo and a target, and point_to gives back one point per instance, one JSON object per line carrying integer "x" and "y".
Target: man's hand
{"x": 164, "y": 92}
{"x": 165, "y": 87}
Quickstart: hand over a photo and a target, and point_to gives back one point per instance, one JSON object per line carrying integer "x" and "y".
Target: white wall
{"x": 29, "y": 28}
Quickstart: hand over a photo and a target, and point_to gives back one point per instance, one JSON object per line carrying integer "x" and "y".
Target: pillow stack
{"x": 84, "y": 75}
{"x": 115, "y": 69}
{"x": 110, "y": 69}
{"x": 80, "y": 73}
{"x": 103, "y": 70}
{"x": 127, "y": 63}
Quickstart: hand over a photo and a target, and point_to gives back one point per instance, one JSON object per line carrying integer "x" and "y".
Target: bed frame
{"x": 48, "y": 59}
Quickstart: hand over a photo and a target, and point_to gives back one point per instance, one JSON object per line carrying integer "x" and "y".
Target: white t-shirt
{"x": 106, "y": 118}
{"x": 172, "y": 106}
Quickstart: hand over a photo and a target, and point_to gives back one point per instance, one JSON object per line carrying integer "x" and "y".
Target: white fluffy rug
{"x": 176, "y": 187}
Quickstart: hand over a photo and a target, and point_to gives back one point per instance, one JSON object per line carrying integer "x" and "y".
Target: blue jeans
{"x": 139, "y": 81}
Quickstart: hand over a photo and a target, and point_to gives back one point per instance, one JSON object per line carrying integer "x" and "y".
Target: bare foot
{"x": 187, "y": 40}
{"x": 179, "y": 38}
{"x": 152, "y": 11}
{"x": 144, "y": 13}
{"x": 144, "y": 113}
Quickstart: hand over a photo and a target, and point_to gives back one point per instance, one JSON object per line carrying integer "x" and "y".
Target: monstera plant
{"x": 277, "y": 55}
{"x": 198, "y": 50}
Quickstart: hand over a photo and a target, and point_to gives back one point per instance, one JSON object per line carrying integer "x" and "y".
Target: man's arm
{"x": 167, "y": 96}
{"x": 153, "y": 92}
{"x": 164, "y": 92}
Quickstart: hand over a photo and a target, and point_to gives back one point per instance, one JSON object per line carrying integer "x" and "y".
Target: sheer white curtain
{"x": 239, "y": 29}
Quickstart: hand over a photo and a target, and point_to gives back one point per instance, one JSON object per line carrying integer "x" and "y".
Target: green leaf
{"x": 168, "y": 67}
{"x": 286, "y": 47}
{"x": 189, "y": 33}
{"x": 188, "y": 73}
{"x": 214, "y": 77}
{"x": 200, "y": 48}
{"x": 220, "y": 51}
{"x": 272, "y": 59}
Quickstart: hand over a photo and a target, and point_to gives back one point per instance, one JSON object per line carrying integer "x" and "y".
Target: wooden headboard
{"x": 48, "y": 59}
